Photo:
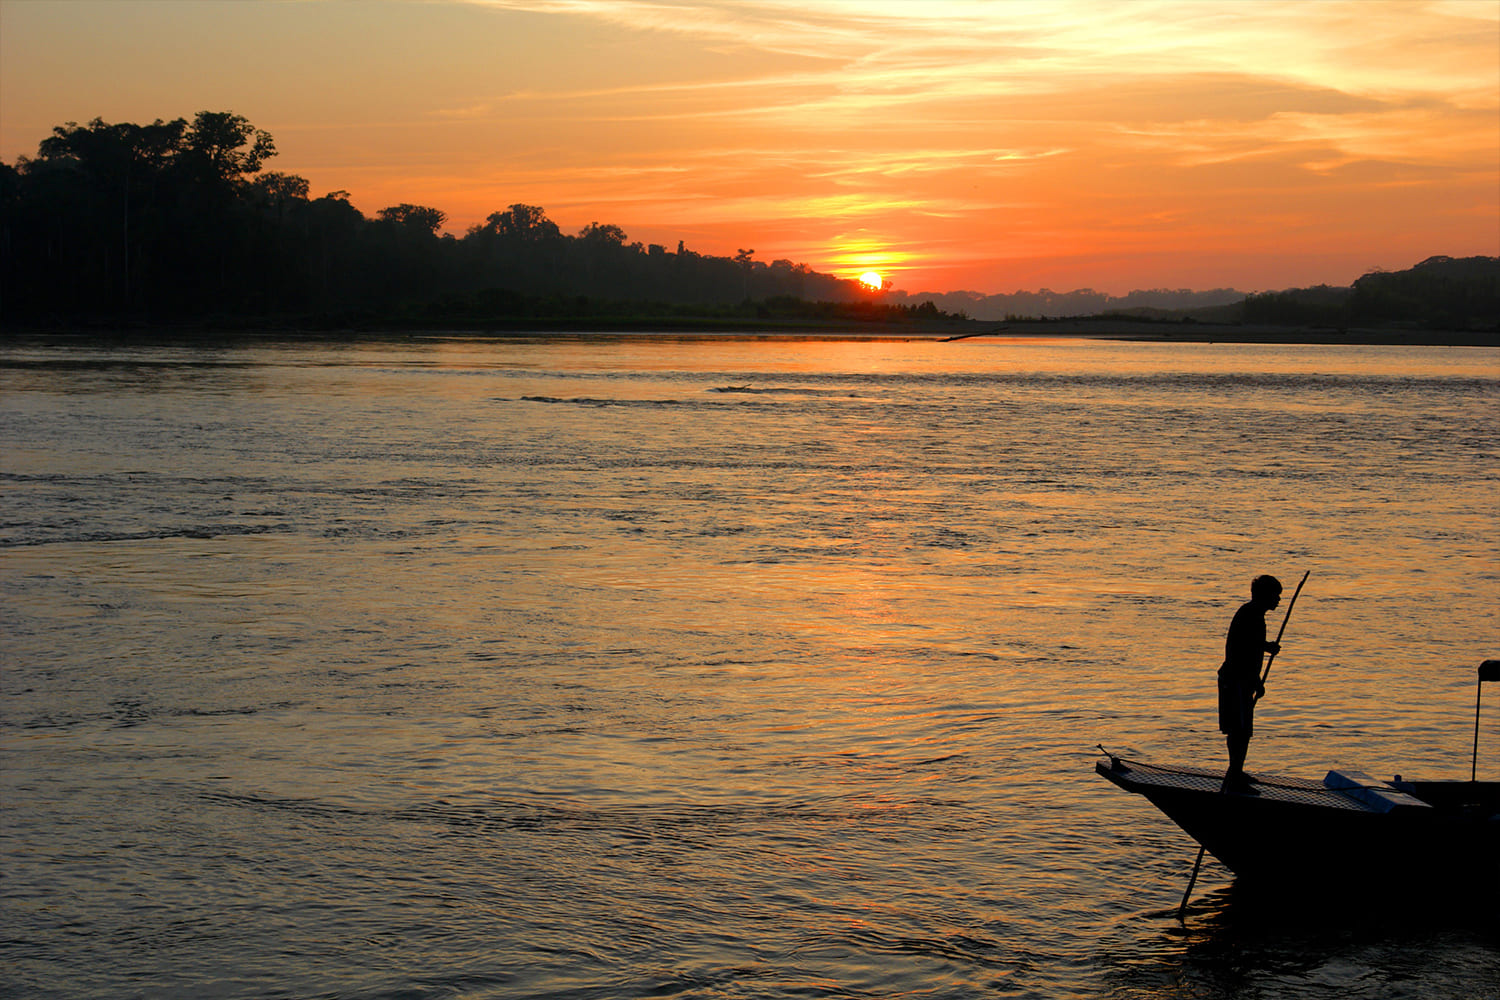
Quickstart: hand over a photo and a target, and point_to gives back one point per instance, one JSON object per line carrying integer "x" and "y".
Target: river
{"x": 714, "y": 667}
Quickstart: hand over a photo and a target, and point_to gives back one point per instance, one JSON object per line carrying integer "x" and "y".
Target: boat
{"x": 1351, "y": 826}
{"x": 1348, "y": 825}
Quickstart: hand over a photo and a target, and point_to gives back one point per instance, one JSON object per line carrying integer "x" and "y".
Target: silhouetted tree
{"x": 279, "y": 190}
{"x": 602, "y": 235}
{"x": 214, "y": 147}
{"x": 416, "y": 219}
{"x": 522, "y": 223}
{"x": 745, "y": 259}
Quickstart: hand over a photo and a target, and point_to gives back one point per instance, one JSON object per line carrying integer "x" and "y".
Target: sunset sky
{"x": 991, "y": 145}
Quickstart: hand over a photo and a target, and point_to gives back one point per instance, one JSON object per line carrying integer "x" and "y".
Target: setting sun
{"x": 872, "y": 280}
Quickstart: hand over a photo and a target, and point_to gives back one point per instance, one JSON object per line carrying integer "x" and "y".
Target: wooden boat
{"x": 1348, "y": 826}
{"x": 1418, "y": 836}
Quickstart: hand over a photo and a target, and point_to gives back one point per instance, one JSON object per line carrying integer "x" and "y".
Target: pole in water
{"x": 1489, "y": 670}
{"x": 1193, "y": 880}
{"x": 1182, "y": 906}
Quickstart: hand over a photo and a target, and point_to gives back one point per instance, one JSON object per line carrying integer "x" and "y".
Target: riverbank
{"x": 758, "y": 329}
{"x": 1236, "y": 333}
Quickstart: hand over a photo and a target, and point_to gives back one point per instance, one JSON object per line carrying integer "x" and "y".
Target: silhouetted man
{"x": 1239, "y": 677}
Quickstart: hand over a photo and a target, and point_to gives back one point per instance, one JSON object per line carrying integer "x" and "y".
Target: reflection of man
{"x": 1239, "y": 677}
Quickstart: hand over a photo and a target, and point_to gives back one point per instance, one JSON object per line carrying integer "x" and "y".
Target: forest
{"x": 1440, "y": 293}
{"x": 178, "y": 222}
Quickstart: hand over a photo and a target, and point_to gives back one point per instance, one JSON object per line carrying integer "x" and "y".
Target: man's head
{"x": 1266, "y": 591}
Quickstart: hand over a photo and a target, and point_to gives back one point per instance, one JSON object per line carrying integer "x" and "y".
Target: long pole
{"x": 1182, "y": 906}
{"x": 1489, "y": 670}
{"x": 1478, "y": 693}
{"x": 1198, "y": 864}
{"x": 1282, "y": 631}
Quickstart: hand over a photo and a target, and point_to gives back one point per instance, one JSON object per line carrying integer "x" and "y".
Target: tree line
{"x": 178, "y": 220}
{"x": 1440, "y": 293}
{"x": 1049, "y": 304}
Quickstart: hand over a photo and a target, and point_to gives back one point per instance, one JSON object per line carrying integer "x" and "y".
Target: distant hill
{"x": 1440, "y": 293}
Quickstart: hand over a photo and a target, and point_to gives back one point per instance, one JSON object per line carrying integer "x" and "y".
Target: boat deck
{"x": 1147, "y": 779}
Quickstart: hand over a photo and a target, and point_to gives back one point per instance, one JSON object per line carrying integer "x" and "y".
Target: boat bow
{"x": 1293, "y": 828}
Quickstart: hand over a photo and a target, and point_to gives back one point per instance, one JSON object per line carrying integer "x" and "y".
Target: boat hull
{"x": 1294, "y": 829}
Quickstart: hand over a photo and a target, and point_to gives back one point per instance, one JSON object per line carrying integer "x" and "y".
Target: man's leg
{"x": 1239, "y": 747}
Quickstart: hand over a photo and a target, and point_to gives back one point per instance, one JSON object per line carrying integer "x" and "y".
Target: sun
{"x": 872, "y": 280}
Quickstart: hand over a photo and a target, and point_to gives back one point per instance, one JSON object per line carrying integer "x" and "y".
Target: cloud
{"x": 1356, "y": 46}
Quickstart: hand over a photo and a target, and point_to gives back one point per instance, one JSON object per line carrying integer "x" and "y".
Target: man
{"x": 1239, "y": 677}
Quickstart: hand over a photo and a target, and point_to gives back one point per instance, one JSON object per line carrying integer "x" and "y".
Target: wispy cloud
{"x": 1362, "y": 46}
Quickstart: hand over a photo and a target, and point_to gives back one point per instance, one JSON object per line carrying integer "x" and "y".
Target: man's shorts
{"x": 1236, "y": 707}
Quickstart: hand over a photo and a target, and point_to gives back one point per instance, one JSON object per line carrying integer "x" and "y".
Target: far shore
{"x": 1114, "y": 329}
{"x": 715, "y": 328}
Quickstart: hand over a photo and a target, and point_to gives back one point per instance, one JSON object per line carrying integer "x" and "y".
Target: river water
{"x": 628, "y": 667}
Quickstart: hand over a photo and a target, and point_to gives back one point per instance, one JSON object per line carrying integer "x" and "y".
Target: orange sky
{"x": 991, "y": 145}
